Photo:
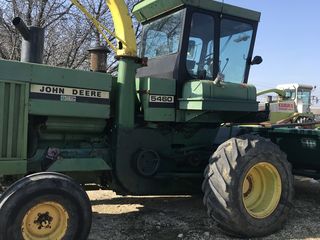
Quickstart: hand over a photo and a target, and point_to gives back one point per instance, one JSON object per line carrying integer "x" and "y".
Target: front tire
{"x": 45, "y": 206}
{"x": 248, "y": 187}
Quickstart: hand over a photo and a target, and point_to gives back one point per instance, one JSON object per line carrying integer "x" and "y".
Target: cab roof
{"x": 148, "y": 9}
{"x": 294, "y": 86}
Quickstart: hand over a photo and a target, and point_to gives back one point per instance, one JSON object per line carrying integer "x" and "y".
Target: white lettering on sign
{"x": 286, "y": 107}
{"x": 77, "y": 92}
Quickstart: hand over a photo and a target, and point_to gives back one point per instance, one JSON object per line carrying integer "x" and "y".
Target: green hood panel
{"x": 207, "y": 89}
{"x": 208, "y": 96}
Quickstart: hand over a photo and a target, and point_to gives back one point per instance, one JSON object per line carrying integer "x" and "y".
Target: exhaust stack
{"x": 98, "y": 57}
{"x": 32, "y": 41}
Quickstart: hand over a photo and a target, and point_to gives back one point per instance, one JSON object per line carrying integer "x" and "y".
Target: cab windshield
{"x": 304, "y": 96}
{"x": 162, "y": 37}
{"x": 235, "y": 41}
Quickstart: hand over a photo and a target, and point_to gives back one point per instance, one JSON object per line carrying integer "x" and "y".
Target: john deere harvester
{"x": 154, "y": 129}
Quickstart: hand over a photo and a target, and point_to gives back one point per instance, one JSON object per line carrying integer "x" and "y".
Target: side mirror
{"x": 256, "y": 60}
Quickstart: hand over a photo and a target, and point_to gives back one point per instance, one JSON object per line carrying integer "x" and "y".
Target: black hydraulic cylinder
{"x": 32, "y": 41}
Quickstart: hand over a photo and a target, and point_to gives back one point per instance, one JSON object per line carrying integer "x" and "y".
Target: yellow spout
{"x": 127, "y": 45}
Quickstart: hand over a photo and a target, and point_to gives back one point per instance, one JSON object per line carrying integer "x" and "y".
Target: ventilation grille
{"x": 13, "y": 120}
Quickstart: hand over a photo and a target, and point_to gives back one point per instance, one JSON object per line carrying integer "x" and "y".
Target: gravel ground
{"x": 184, "y": 217}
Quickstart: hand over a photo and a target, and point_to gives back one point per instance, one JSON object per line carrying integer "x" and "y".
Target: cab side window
{"x": 200, "y": 53}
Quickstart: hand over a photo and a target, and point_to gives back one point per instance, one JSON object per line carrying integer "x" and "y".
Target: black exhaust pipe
{"x": 32, "y": 41}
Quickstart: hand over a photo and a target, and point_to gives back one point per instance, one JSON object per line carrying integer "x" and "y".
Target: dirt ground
{"x": 184, "y": 217}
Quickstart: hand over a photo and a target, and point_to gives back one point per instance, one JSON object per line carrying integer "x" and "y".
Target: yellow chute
{"x": 124, "y": 33}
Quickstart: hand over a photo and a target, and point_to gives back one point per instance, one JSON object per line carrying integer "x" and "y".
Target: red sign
{"x": 286, "y": 107}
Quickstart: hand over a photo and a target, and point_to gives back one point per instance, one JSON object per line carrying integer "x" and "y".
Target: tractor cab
{"x": 291, "y": 104}
{"x": 199, "y": 56}
{"x": 300, "y": 94}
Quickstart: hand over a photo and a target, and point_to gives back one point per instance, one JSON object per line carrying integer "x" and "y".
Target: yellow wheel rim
{"x": 47, "y": 220}
{"x": 261, "y": 190}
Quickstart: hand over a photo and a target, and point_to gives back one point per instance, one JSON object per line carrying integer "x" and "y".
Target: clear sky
{"x": 288, "y": 40}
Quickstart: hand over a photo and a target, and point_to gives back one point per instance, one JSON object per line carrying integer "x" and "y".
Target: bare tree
{"x": 69, "y": 34}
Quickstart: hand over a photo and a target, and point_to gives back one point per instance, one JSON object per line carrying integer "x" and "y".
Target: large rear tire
{"x": 248, "y": 187}
{"x": 45, "y": 206}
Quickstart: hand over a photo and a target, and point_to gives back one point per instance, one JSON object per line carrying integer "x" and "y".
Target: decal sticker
{"x": 161, "y": 101}
{"x": 286, "y": 106}
{"x": 68, "y": 94}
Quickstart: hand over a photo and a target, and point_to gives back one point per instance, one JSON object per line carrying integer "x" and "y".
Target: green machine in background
{"x": 150, "y": 130}
{"x": 291, "y": 105}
